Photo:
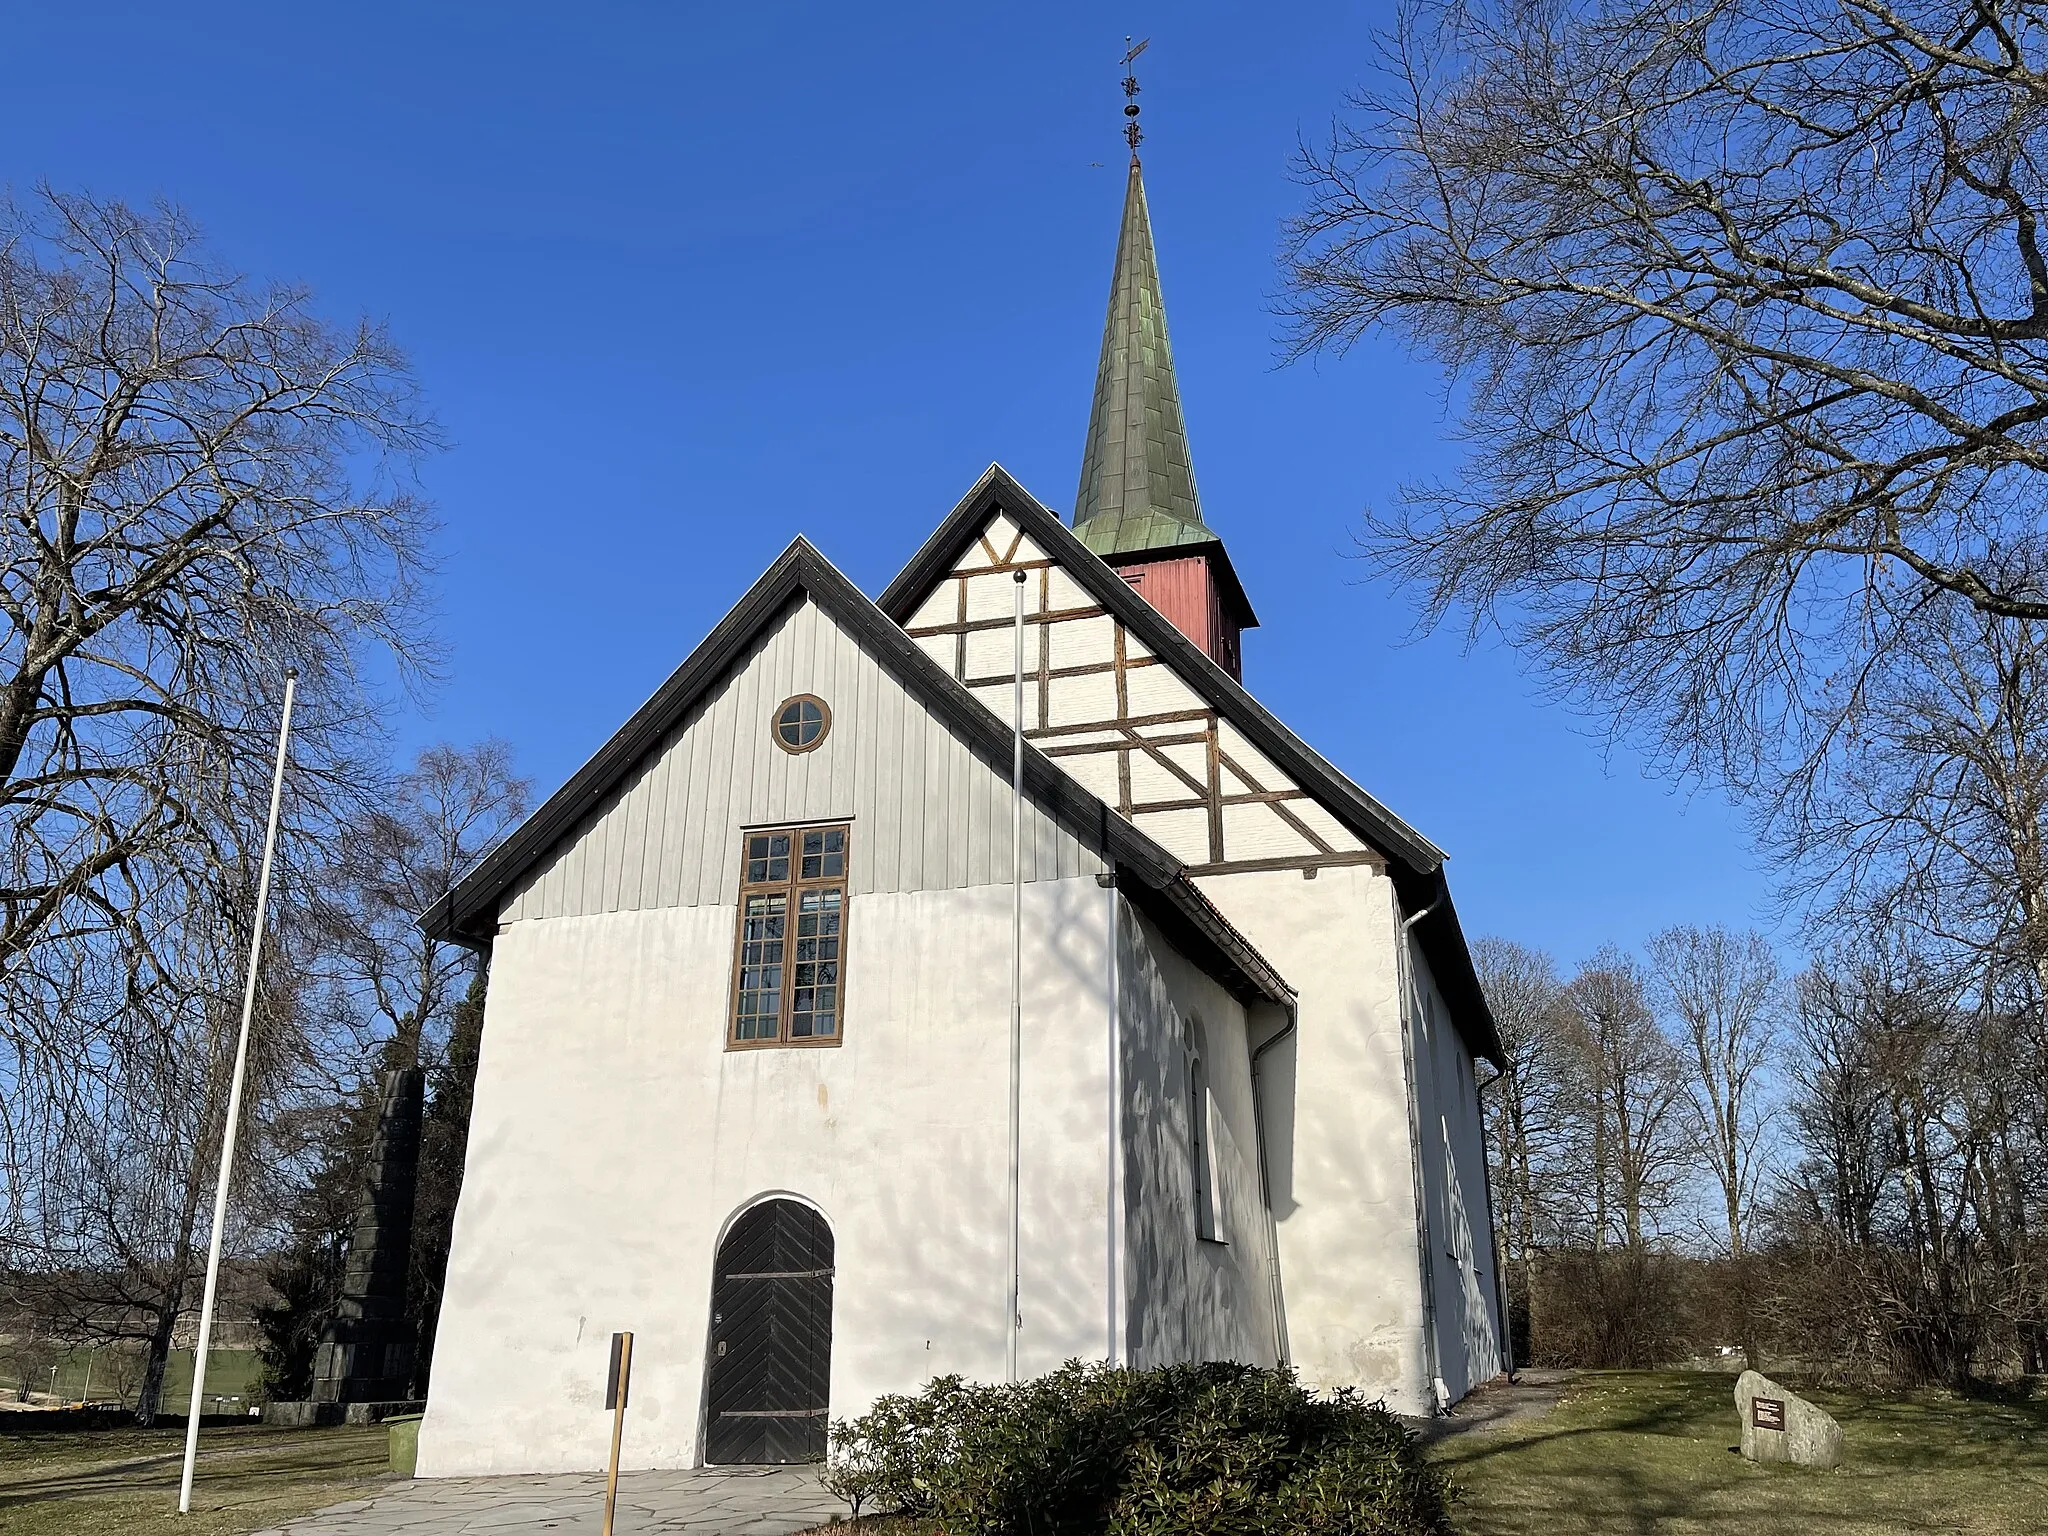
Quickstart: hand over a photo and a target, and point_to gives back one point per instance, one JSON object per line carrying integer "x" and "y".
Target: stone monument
{"x": 366, "y": 1350}
{"x": 1778, "y": 1425}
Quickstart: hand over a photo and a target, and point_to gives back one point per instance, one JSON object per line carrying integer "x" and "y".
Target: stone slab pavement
{"x": 708, "y": 1501}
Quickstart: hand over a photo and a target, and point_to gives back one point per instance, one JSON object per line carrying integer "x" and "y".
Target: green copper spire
{"x": 1137, "y": 481}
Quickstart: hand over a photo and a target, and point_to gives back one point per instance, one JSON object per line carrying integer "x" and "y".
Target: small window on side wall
{"x": 1201, "y": 1149}
{"x": 789, "y": 951}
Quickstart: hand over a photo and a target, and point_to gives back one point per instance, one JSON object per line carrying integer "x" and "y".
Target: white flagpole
{"x": 227, "y": 1139}
{"x": 1016, "y": 993}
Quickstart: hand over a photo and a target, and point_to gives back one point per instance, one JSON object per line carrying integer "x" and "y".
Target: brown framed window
{"x": 802, "y": 722}
{"x": 789, "y": 952}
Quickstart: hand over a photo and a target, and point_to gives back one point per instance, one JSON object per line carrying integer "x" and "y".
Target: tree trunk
{"x": 171, "y": 1300}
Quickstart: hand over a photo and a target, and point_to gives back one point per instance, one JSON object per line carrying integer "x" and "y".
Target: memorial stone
{"x": 1779, "y": 1425}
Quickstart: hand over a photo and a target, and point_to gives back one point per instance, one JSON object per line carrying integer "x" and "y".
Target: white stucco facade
{"x": 1337, "y": 1130}
{"x": 1250, "y": 1125}
{"x": 1190, "y": 1296}
{"x": 615, "y": 1136}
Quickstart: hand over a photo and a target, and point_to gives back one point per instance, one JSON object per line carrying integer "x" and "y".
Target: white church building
{"x": 744, "y": 1085}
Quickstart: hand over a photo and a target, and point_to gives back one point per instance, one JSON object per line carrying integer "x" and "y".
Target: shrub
{"x": 1183, "y": 1451}
{"x": 1609, "y": 1309}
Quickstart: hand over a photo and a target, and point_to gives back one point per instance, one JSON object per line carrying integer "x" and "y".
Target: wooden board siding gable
{"x": 926, "y": 812}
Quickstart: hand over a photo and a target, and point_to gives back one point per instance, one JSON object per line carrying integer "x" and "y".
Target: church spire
{"x": 1137, "y": 479}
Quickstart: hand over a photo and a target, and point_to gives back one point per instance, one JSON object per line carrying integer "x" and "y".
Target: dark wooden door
{"x": 771, "y": 1337}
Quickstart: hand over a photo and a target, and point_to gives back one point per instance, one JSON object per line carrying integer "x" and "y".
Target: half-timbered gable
{"x": 1115, "y": 713}
{"x": 1135, "y": 711}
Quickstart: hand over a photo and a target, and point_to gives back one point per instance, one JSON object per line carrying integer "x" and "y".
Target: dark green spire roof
{"x": 1137, "y": 481}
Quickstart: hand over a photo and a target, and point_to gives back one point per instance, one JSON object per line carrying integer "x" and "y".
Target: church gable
{"x": 917, "y": 767}
{"x": 925, "y": 812}
{"x": 1120, "y": 713}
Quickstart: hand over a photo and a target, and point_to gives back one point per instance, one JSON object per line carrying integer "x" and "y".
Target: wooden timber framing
{"x": 1307, "y": 865}
{"x": 966, "y": 626}
{"x": 1223, "y": 781}
{"x": 1345, "y": 826}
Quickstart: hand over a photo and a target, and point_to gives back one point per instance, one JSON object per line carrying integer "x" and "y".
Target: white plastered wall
{"x": 1189, "y": 1298}
{"x": 1452, "y": 1137}
{"x": 614, "y": 1137}
{"x": 1333, "y": 1096}
{"x": 1342, "y": 1171}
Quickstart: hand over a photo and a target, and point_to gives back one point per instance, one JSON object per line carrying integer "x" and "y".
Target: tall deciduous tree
{"x": 1723, "y": 992}
{"x": 1746, "y": 310}
{"x": 1628, "y": 1089}
{"x": 1526, "y": 1112}
{"x": 201, "y": 482}
{"x": 400, "y": 857}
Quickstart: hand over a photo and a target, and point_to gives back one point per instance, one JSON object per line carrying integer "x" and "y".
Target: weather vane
{"x": 1132, "y": 133}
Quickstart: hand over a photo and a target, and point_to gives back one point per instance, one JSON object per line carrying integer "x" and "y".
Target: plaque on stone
{"x": 1780, "y": 1425}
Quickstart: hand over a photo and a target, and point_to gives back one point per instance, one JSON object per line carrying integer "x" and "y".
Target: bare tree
{"x": 1525, "y": 1106}
{"x": 200, "y": 481}
{"x": 399, "y": 991}
{"x": 399, "y": 858}
{"x": 1936, "y": 1247}
{"x": 1723, "y": 992}
{"x": 1629, "y": 1090}
{"x": 1747, "y": 316}
{"x": 1835, "y": 1113}
{"x": 117, "y": 1143}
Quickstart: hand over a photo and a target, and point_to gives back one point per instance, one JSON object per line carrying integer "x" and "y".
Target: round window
{"x": 802, "y": 722}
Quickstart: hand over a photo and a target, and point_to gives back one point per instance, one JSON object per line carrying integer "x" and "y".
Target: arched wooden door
{"x": 771, "y": 1337}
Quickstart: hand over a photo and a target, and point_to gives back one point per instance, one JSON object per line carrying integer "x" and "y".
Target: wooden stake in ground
{"x": 615, "y": 1399}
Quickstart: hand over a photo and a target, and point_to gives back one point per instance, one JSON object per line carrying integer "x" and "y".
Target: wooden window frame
{"x": 792, "y": 887}
{"x": 797, "y": 749}
{"x": 1208, "y": 1205}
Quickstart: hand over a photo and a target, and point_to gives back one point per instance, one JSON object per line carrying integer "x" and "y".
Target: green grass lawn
{"x": 114, "y": 1374}
{"x": 1642, "y": 1451}
{"x": 250, "y": 1476}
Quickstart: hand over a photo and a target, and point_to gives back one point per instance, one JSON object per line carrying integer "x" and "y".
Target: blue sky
{"x": 683, "y": 281}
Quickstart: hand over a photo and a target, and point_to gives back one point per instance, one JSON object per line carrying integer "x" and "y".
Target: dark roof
{"x": 1414, "y": 862}
{"x": 1148, "y": 874}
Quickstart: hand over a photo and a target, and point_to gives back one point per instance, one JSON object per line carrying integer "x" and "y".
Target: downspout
{"x": 1433, "y": 1381}
{"x": 1279, "y": 1296}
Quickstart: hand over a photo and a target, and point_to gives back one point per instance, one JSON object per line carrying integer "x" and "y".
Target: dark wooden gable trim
{"x": 1414, "y": 863}
{"x": 469, "y": 913}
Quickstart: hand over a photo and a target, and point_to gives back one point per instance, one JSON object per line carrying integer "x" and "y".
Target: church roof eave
{"x": 1152, "y": 877}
